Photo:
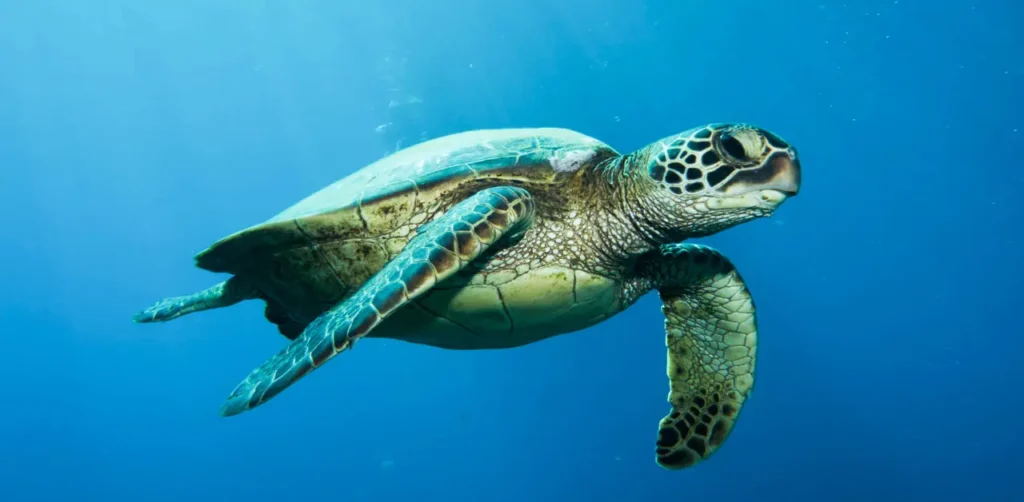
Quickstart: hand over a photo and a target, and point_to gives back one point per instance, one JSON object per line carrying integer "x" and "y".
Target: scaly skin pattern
{"x": 711, "y": 335}
{"x": 514, "y": 245}
{"x": 570, "y": 270}
{"x": 305, "y": 262}
{"x": 447, "y": 245}
{"x": 224, "y": 294}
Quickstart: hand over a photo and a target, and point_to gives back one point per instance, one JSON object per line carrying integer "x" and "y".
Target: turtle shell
{"x": 312, "y": 254}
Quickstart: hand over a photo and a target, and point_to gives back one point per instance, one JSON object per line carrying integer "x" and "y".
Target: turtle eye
{"x": 733, "y": 147}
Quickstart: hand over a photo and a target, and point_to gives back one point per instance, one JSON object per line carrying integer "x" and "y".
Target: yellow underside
{"x": 505, "y": 310}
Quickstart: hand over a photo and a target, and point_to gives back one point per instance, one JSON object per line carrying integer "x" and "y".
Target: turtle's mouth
{"x": 780, "y": 174}
{"x": 775, "y": 196}
{"x": 768, "y": 198}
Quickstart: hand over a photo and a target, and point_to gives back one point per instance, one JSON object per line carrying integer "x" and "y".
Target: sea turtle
{"x": 499, "y": 238}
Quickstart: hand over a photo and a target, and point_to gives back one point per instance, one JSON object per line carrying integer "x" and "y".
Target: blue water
{"x": 134, "y": 134}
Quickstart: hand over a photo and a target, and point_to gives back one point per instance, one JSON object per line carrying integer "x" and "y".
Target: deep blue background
{"x": 133, "y": 134}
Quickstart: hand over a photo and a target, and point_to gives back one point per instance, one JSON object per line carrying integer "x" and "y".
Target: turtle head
{"x": 720, "y": 175}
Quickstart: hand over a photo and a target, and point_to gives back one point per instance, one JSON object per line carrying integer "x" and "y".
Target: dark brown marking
{"x": 416, "y": 277}
{"x": 667, "y": 436}
{"x": 498, "y": 219}
{"x": 442, "y": 260}
{"x": 718, "y": 175}
{"x": 710, "y": 158}
{"x": 484, "y": 231}
{"x": 364, "y": 322}
{"x": 389, "y": 297}
{"x": 468, "y": 245}
{"x": 701, "y": 429}
{"x": 713, "y": 409}
{"x": 678, "y": 459}
{"x": 657, "y": 171}
{"x": 699, "y": 401}
{"x": 718, "y": 432}
{"x": 728, "y": 409}
{"x": 323, "y": 355}
{"x": 698, "y": 445}
{"x": 362, "y": 218}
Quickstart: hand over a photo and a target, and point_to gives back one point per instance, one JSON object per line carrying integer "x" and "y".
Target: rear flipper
{"x": 224, "y": 294}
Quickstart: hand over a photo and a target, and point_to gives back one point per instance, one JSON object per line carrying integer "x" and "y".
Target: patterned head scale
{"x": 724, "y": 160}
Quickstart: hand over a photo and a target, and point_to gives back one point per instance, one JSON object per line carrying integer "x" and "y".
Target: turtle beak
{"x": 784, "y": 182}
{"x": 785, "y": 173}
{"x": 767, "y": 186}
{"x": 779, "y": 174}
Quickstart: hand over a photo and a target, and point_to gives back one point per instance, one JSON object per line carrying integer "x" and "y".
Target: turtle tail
{"x": 224, "y": 294}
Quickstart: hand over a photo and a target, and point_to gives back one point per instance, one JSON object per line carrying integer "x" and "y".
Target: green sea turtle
{"x": 499, "y": 238}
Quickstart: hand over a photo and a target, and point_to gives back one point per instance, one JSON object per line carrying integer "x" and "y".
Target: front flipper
{"x": 446, "y": 245}
{"x": 711, "y": 335}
